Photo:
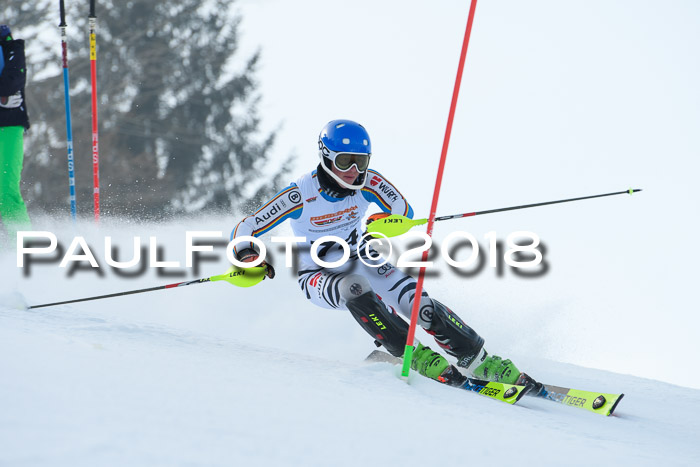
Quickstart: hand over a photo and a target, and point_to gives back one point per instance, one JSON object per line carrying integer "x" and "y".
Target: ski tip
{"x": 521, "y": 391}
{"x": 614, "y": 406}
{"x": 634, "y": 190}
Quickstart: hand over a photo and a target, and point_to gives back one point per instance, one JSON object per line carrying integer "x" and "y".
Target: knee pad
{"x": 426, "y": 311}
{"x": 453, "y": 335}
{"x": 352, "y": 286}
{"x": 386, "y": 327}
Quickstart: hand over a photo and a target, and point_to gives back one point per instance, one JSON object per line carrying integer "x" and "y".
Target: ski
{"x": 596, "y": 402}
{"x": 508, "y": 393}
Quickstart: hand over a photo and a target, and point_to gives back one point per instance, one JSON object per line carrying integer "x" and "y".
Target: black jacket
{"x": 12, "y": 79}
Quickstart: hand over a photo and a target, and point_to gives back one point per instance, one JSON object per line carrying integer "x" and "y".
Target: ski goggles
{"x": 344, "y": 161}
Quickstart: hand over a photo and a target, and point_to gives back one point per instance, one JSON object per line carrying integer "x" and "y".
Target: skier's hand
{"x": 11, "y": 102}
{"x": 249, "y": 255}
{"x": 376, "y": 217}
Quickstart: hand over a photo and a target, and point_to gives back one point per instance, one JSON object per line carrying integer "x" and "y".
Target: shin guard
{"x": 387, "y": 328}
{"x": 453, "y": 335}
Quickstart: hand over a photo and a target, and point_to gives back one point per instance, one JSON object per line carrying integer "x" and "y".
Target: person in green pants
{"x": 13, "y": 123}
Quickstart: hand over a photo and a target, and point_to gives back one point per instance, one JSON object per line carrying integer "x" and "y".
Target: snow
{"x": 211, "y": 375}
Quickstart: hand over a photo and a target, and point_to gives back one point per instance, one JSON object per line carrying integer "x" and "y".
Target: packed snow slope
{"x": 212, "y": 375}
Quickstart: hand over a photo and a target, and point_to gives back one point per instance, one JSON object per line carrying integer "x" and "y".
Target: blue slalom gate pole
{"x": 69, "y": 130}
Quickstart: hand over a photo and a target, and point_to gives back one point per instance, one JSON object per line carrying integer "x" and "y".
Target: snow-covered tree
{"x": 179, "y": 127}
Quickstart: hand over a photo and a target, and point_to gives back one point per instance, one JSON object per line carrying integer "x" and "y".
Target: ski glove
{"x": 376, "y": 217}
{"x": 249, "y": 255}
{"x": 11, "y": 102}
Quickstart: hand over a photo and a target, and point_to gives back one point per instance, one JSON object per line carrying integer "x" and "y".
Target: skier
{"x": 332, "y": 200}
{"x": 13, "y": 123}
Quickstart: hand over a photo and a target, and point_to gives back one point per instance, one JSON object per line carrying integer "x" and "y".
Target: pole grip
{"x": 92, "y": 9}
{"x": 62, "y": 8}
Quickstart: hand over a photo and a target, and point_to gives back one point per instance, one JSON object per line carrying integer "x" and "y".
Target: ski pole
{"x": 236, "y": 276}
{"x": 408, "y": 350}
{"x": 395, "y": 225}
{"x": 69, "y": 130}
{"x": 92, "y": 19}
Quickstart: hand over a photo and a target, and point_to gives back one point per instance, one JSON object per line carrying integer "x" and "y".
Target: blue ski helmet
{"x": 346, "y": 139}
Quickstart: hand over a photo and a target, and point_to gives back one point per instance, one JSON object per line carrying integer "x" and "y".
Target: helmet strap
{"x": 329, "y": 182}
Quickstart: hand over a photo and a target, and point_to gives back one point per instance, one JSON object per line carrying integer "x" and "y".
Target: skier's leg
{"x": 354, "y": 293}
{"x": 397, "y": 289}
{"x": 13, "y": 211}
{"x": 387, "y": 328}
{"x": 455, "y": 336}
{"x": 462, "y": 342}
{"x": 320, "y": 287}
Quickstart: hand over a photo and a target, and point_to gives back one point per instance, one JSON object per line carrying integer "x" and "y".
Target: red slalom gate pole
{"x": 92, "y": 20}
{"x": 408, "y": 352}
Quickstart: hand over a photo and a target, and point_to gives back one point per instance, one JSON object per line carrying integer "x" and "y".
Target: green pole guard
{"x": 393, "y": 226}
{"x": 407, "y": 358}
{"x": 242, "y": 277}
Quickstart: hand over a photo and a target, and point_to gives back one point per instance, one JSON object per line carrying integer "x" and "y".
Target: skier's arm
{"x": 284, "y": 205}
{"x": 380, "y": 191}
{"x": 13, "y": 76}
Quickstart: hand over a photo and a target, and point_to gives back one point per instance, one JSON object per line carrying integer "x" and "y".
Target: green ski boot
{"x": 435, "y": 366}
{"x": 494, "y": 368}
